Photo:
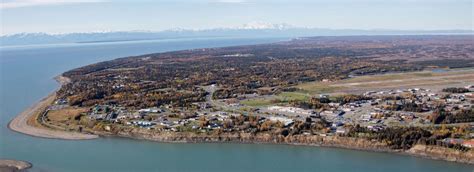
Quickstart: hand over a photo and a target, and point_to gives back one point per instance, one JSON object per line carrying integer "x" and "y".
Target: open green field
{"x": 257, "y": 102}
{"x": 361, "y": 84}
{"x": 283, "y": 97}
{"x": 425, "y": 79}
{"x": 287, "y": 96}
{"x": 318, "y": 88}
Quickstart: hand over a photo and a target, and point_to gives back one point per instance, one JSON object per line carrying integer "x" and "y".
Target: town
{"x": 373, "y": 110}
{"x": 313, "y": 91}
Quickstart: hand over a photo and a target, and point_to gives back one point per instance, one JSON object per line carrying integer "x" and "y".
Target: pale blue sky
{"x": 61, "y": 16}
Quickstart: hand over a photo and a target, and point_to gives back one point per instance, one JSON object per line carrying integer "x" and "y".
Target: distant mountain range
{"x": 249, "y": 30}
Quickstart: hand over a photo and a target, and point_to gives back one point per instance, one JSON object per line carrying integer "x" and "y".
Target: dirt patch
{"x": 66, "y": 114}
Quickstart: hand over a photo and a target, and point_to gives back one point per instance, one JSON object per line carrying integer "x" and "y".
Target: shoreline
{"x": 359, "y": 144}
{"x": 20, "y": 122}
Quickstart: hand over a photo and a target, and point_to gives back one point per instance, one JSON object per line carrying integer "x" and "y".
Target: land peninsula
{"x": 29, "y": 121}
{"x": 403, "y": 94}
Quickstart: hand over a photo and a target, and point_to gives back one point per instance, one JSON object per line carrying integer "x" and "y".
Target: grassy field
{"x": 257, "y": 102}
{"x": 286, "y": 96}
{"x": 280, "y": 98}
{"x": 65, "y": 114}
{"x": 318, "y": 88}
{"x": 361, "y": 84}
{"x": 427, "y": 79}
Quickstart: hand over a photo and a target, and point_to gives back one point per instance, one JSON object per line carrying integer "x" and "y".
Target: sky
{"x": 65, "y": 16}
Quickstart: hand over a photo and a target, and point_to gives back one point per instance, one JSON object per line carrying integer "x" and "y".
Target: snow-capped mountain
{"x": 260, "y": 25}
{"x": 254, "y": 29}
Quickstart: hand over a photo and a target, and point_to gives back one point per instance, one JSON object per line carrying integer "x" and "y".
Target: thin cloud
{"x": 28, "y": 3}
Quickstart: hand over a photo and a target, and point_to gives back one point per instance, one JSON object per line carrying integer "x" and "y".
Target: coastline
{"x": 20, "y": 122}
{"x": 421, "y": 151}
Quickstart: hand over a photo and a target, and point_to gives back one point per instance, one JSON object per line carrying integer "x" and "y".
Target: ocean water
{"x": 26, "y": 75}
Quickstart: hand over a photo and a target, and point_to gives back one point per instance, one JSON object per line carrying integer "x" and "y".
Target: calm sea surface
{"x": 26, "y": 75}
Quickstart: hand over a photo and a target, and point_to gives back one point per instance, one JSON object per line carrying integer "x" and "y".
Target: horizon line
{"x": 178, "y": 29}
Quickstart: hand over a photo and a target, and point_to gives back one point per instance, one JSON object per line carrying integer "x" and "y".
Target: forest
{"x": 175, "y": 77}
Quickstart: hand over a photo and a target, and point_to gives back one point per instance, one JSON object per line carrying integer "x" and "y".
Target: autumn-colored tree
{"x": 266, "y": 125}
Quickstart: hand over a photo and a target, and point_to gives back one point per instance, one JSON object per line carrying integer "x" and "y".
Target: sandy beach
{"x": 14, "y": 165}
{"x": 20, "y": 122}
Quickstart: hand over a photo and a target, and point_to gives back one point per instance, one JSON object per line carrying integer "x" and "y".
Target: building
{"x": 334, "y": 113}
{"x": 468, "y": 143}
{"x": 285, "y": 121}
{"x": 143, "y": 123}
{"x": 340, "y": 130}
{"x": 366, "y": 117}
{"x": 292, "y": 110}
{"x": 150, "y": 110}
{"x": 453, "y": 141}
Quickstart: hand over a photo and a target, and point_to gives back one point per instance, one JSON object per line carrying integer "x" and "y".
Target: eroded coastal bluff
{"x": 424, "y": 151}
{"x": 347, "y": 92}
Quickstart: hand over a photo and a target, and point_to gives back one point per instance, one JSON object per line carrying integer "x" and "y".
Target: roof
{"x": 468, "y": 142}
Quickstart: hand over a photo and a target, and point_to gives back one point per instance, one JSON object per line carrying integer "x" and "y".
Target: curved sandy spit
{"x": 14, "y": 165}
{"x": 19, "y": 123}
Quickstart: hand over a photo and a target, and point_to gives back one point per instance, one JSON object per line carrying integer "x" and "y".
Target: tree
{"x": 267, "y": 125}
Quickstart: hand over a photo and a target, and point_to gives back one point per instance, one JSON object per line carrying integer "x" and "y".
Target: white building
{"x": 285, "y": 121}
{"x": 291, "y": 110}
{"x": 150, "y": 110}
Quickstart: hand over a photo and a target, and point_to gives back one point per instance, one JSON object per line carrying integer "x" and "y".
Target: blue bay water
{"x": 26, "y": 75}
